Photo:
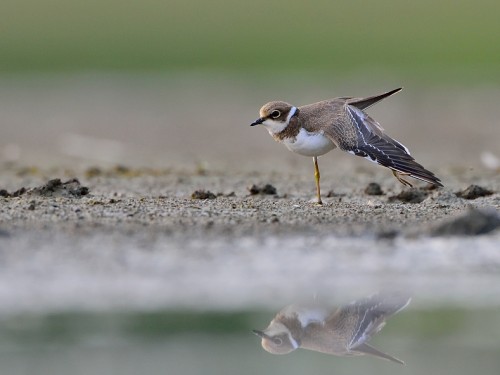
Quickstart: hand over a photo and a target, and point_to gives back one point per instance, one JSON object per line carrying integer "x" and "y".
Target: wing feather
{"x": 372, "y": 143}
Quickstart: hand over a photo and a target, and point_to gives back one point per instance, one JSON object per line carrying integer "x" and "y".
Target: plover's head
{"x": 275, "y": 116}
{"x": 277, "y": 338}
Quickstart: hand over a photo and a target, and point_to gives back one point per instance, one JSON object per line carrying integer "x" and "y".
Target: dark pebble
{"x": 81, "y": 191}
{"x": 202, "y": 194}
{"x": 473, "y": 192}
{"x": 267, "y": 189}
{"x": 474, "y": 222}
{"x": 71, "y": 187}
{"x": 4, "y": 193}
{"x": 410, "y": 196}
{"x": 254, "y": 190}
{"x": 373, "y": 189}
{"x": 19, "y": 192}
{"x": 53, "y": 184}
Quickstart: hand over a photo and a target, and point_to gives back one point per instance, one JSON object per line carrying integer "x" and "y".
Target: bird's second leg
{"x": 317, "y": 176}
{"x": 400, "y": 179}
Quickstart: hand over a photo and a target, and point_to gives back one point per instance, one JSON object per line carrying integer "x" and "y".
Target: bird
{"x": 315, "y": 129}
{"x": 342, "y": 332}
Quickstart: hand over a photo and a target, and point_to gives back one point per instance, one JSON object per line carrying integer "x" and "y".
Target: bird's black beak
{"x": 258, "y": 122}
{"x": 260, "y": 334}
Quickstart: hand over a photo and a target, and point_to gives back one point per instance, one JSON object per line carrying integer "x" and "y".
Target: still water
{"x": 430, "y": 339}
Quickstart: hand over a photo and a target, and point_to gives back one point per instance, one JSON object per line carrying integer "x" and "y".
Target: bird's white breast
{"x": 309, "y": 144}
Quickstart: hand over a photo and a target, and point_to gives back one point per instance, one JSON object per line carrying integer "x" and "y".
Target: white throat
{"x": 275, "y": 127}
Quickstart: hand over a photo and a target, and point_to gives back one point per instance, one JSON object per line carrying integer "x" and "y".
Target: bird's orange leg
{"x": 317, "y": 177}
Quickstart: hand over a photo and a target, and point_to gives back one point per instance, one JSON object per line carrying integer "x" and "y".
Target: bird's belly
{"x": 309, "y": 144}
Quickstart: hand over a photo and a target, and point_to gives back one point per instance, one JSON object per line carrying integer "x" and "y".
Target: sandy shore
{"x": 204, "y": 202}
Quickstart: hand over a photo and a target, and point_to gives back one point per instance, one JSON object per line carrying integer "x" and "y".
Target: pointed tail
{"x": 363, "y": 103}
{"x": 368, "y": 349}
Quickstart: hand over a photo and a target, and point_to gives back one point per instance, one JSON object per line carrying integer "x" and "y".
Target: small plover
{"x": 315, "y": 129}
{"x": 343, "y": 332}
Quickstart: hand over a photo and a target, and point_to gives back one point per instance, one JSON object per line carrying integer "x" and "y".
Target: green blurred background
{"x": 170, "y": 82}
{"x": 431, "y": 40}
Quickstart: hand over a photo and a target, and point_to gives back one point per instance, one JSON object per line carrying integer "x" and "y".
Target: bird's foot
{"x": 316, "y": 202}
{"x": 400, "y": 179}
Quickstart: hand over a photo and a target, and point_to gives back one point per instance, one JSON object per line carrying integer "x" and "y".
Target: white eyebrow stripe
{"x": 290, "y": 114}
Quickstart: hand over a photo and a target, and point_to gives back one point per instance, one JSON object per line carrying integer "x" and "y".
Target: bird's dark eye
{"x": 278, "y": 341}
{"x": 275, "y": 114}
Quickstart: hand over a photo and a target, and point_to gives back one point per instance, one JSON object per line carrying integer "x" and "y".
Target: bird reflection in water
{"x": 343, "y": 332}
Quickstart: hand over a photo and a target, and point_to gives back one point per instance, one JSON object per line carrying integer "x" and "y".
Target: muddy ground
{"x": 205, "y": 202}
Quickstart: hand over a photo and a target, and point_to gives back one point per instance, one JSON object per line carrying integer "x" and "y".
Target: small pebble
{"x": 410, "y": 196}
{"x": 267, "y": 189}
{"x": 70, "y": 188}
{"x": 203, "y": 194}
{"x": 474, "y": 222}
{"x": 473, "y": 192}
{"x": 373, "y": 189}
{"x": 254, "y": 189}
{"x": 19, "y": 192}
{"x": 4, "y": 193}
